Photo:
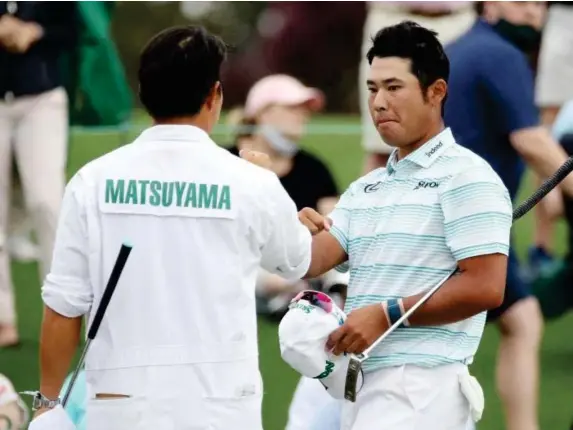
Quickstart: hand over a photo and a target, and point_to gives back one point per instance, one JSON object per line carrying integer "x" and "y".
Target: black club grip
{"x": 109, "y": 289}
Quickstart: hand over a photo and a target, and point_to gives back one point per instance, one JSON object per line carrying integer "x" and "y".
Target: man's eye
{"x": 372, "y": 90}
{"x": 393, "y": 87}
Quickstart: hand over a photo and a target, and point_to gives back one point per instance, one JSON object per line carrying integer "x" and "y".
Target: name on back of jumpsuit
{"x": 167, "y": 194}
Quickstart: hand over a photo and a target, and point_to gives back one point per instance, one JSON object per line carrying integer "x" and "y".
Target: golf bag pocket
{"x": 114, "y": 413}
{"x": 473, "y": 392}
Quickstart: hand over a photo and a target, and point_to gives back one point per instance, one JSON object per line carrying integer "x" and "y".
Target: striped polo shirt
{"x": 404, "y": 227}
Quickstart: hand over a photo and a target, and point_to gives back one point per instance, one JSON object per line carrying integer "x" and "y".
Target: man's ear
{"x": 215, "y": 95}
{"x": 437, "y": 92}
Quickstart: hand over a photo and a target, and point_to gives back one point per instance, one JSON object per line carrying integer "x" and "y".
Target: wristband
{"x": 395, "y": 310}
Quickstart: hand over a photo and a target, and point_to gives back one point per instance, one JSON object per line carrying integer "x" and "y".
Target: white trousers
{"x": 448, "y": 27}
{"x": 410, "y": 398}
{"x": 210, "y": 396}
{"x": 34, "y": 131}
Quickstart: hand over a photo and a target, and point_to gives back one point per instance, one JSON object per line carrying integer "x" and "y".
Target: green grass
{"x": 344, "y": 156}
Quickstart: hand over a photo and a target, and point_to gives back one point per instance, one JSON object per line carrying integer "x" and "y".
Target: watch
{"x": 40, "y": 401}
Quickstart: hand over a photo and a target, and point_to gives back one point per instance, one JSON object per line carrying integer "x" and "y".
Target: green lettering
{"x": 208, "y": 197}
{"x": 114, "y": 191}
{"x": 180, "y": 189}
{"x": 191, "y": 199}
{"x": 167, "y": 194}
{"x": 131, "y": 197}
{"x": 225, "y": 198}
{"x": 155, "y": 199}
{"x": 143, "y": 194}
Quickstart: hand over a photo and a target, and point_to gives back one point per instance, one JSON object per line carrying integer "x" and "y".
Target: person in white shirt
{"x": 177, "y": 348}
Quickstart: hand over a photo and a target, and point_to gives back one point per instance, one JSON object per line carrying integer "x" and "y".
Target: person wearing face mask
{"x": 491, "y": 110}
{"x": 273, "y": 122}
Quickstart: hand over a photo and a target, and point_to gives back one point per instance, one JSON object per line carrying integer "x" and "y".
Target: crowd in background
{"x": 44, "y": 59}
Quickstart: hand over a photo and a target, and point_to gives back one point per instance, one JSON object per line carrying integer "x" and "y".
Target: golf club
{"x": 100, "y": 312}
{"x": 356, "y": 360}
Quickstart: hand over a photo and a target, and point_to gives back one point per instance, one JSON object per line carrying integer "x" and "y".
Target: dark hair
{"x": 177, "y": 70}
{"x": 416, "y": 43}
{"x": 479, "y": 7}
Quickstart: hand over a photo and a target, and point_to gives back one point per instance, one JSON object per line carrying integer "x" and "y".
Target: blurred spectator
{"x": 554, "y": 89}
{"x": 450, "y": 19}
{"x": 34, "y": 124}
{"x": 14, "y": 414}
{"x": 274, "y": 119}
{"x": 491, "y": 111}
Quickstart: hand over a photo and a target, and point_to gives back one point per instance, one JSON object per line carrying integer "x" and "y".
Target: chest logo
{"x": 427, "y": 184}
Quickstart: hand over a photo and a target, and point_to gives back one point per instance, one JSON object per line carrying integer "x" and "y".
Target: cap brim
{"x": 313, "y": 98}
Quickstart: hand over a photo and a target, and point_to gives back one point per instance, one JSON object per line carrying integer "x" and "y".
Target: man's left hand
{"x": 362, "y": 327}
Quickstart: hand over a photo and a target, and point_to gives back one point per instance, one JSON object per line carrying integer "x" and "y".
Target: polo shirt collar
{"x": 426, "y": 154}
{"x": 174, "y": 133}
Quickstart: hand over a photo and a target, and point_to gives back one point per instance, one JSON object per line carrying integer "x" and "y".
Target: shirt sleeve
{"x": 67, "y": 289}
{"x": 509, "y": 84}
{"x": 340, "y": 217}
{"x": 288, "y": 249}
{"x": 477, "y": 214}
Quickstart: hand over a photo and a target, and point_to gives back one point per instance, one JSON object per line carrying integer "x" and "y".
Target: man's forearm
{"x": 58, "y": 343}
{"x": 461, "y": 297}
{"x": 543, "y": 155}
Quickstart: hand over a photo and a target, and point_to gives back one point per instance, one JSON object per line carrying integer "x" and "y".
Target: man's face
{"x": 289, "y": 120}
{"x": 530, "y": 13}
{"x": 399, "y": 110}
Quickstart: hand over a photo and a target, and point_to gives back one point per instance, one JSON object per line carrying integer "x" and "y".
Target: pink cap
{"x": 281, "y": 90}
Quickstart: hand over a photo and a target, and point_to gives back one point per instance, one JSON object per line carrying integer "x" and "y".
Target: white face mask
{"x": 278, "y": 141}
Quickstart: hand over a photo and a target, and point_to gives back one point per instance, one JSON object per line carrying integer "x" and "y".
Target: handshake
{"x": 310, "y": 218}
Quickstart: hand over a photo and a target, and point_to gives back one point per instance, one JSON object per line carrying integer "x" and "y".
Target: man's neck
{"x": 426, "y": 137}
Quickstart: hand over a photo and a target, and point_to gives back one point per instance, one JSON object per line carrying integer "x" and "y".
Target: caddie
{"x": 177, "y": 347}
{"x": 400, "y": 230}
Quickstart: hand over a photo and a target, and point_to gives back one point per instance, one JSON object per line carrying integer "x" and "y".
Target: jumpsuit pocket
{"x": 235, "y": 402}
{"x": 114, "y": 414}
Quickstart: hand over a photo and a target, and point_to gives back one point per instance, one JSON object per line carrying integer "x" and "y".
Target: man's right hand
{"x": 314, "y": 221}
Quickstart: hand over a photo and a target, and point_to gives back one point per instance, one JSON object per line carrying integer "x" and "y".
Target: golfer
{"x": 401, "y": 229}
{"x": 177, "y": 348}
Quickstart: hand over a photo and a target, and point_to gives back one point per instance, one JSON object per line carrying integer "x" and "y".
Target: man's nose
{"x": 380, "y": 102}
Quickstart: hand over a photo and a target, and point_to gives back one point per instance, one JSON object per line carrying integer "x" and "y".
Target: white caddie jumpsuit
{"x": 180, "y": 334}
